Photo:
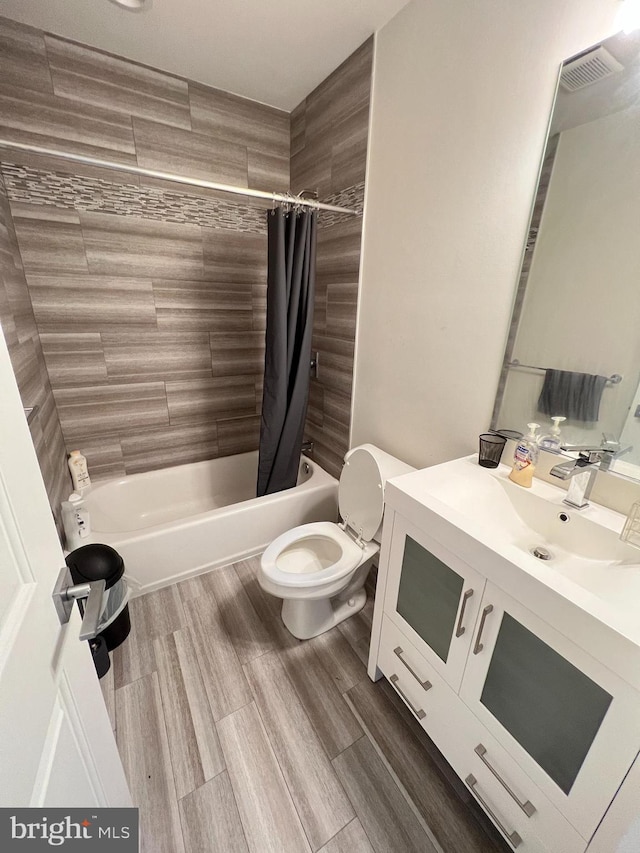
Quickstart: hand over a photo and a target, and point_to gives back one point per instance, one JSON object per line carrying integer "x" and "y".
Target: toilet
{"x": 319, "y": 569}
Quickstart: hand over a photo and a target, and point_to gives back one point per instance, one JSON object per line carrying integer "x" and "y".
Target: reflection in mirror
{"x": 574, "y": 344}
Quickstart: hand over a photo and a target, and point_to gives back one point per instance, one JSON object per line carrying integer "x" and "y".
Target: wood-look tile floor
{"x": 237, "y": 737}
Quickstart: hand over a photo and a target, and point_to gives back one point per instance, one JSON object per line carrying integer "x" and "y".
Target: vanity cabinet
{"x": 570, "y": 723}
{"x": 519, "y": 810}
{"x": 541, "y": 733}
{"x": 433, "y": 597}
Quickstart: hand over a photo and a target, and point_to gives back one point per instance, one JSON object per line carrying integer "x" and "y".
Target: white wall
{"x": 461, "y": 98}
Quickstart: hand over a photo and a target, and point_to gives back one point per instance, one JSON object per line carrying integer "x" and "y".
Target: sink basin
{"x": 565, "y": 531}
{"x": 582, "y": 548}
{"x": 534, "y": 529}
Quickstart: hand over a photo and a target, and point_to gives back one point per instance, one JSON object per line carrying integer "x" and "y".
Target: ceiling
{"x": 273, "y": 51}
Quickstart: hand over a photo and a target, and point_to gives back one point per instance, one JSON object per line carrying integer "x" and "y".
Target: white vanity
{"x": 525, "y": 672}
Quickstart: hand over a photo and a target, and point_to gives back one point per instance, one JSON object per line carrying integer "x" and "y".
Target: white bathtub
{"x": 177, "y": 522}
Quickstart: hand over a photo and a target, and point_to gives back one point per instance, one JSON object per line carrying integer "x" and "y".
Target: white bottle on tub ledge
{"x": 76, "y": 522}
{"x": 79, "y": 471}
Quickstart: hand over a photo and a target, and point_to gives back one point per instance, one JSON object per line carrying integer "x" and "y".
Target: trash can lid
{"x": 95, "y": 562}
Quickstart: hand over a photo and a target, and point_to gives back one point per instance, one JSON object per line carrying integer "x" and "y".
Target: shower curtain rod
{"x": 285, "y": 198}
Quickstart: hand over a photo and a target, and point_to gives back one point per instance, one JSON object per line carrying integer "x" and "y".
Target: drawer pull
{"x": 527, "y": 807}
{"x": 460, "y": 629}
{"x": 420, "y": 714}
{"x": 398, "y": 652}
{"x": 478, "y": 647}
{"x": 512, "y": 837}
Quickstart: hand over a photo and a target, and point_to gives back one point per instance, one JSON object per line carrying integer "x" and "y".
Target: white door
{"x": 56, "y": 744}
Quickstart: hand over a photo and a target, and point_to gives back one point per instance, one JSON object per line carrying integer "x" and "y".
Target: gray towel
{"x": 574, "y": 395}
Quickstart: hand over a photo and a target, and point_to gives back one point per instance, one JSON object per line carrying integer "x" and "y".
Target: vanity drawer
{"x": 413, "y": 678}
{"x": 488, "y": 771}
{"x": 511, "y": 799}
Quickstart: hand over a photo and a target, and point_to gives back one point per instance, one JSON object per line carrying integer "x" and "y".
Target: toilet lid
{"x": 360, "y": 494}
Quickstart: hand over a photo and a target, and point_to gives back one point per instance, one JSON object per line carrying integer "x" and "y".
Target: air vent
{"x": 588, "y": 69}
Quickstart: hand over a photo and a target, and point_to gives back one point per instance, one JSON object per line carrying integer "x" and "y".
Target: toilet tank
{"x": 361, "y": 490}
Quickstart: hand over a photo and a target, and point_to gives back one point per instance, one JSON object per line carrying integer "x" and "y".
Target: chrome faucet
{"x": 590, "y": 459}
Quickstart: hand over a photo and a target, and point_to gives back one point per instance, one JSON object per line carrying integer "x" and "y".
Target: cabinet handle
{"x": 459, "y": 627}
{"x": 426, "y": 685}
{"x": 478, "y": 647}
{"x": 527, "y": 807}
{"x": 420, "y": 714}
{"x": 512, "y": 837}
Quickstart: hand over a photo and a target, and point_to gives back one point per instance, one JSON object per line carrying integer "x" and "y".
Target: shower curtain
{"x": 290, "y": 290}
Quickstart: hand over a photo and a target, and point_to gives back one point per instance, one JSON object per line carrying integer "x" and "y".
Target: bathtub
{"x": 177, "y": 522}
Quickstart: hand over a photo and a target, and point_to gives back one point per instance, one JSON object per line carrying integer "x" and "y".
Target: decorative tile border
{"x": 351, "y": 197}
{"x": 74, "y": 192}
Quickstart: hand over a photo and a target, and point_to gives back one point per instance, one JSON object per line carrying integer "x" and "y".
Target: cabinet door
{"x": 433, "y": 597}
{"x": 570, "y": 723}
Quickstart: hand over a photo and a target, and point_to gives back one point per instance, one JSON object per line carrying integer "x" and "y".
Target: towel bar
{"x": 614, "y": 379}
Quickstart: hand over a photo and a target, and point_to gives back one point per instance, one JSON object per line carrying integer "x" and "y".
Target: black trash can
{"x": 101, "y": 562}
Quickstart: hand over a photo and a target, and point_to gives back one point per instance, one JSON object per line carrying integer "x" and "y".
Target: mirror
{"x": 577, "y": 305}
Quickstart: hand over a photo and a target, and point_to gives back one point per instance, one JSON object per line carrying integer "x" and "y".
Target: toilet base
{"x": 306, "y": 618}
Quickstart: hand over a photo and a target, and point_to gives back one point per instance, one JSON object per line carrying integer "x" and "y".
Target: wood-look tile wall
{"x": 72, "y": 98}
{"x": 153, "y": 331}
{"x": 329, "y": 131}
{"x": 153, "y": 334}
{"x": 21, "y": 334}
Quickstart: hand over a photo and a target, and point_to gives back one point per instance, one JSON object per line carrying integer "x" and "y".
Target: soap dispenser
{"x": 552, "y": 440}
{"x": 525, "y": 458}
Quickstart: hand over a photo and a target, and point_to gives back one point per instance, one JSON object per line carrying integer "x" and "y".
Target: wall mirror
{"x": 574, "y": 343}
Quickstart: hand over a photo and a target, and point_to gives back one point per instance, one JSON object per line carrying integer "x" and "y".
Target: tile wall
{"x": 21, "y": 334}
{"x": 329, "y": 131}
{"x": 149, "y": 297}
{"x": 152, "y": 333}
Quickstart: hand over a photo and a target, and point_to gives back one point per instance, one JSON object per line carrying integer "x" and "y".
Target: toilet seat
{"x": 351, "y": 555}
{"x": 361, "y": 493}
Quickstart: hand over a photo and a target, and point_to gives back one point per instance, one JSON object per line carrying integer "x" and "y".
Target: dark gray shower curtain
{"x": 290, "y": 290}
